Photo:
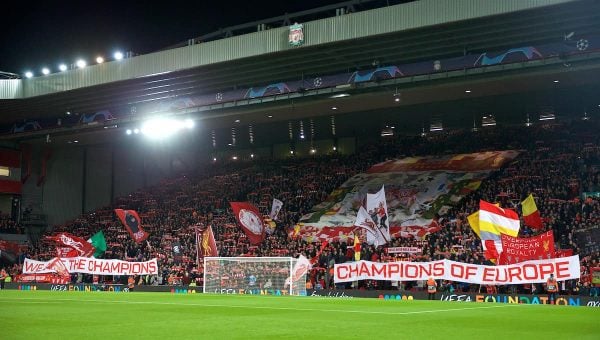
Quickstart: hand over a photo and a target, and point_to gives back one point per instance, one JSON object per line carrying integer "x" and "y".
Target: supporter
{"x": 552, "y": 288}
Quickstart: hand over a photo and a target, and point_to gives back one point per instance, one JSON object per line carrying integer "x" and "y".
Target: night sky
{"x": 49, "y": 33}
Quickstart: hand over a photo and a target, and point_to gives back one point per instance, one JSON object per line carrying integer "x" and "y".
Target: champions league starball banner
{"x": 525, "y": 272}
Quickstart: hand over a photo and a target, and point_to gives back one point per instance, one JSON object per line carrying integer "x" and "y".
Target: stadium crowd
{"x": 558, "y": 163}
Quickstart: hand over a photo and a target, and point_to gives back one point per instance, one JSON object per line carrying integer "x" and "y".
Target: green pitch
{"x": 103, "y": 315}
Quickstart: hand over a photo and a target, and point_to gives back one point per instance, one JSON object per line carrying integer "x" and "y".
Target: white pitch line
{"x": 274, "y": 308}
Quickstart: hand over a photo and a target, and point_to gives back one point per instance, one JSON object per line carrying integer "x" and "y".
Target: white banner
{"x": 90, "y": 265}
{"x": 300, "y": 268}
{"x": 377, "y": 209}
{"x": 537, "y": 271}
{"x": 277, "y": 204}
{"x": 410, "y": 250}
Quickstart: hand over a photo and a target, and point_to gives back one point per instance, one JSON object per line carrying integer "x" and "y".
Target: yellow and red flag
{"x": 531, "y": 215}
{"x": 356, "y": 248}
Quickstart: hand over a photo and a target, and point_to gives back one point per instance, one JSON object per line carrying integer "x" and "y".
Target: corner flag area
{"x": 78, "y": 315}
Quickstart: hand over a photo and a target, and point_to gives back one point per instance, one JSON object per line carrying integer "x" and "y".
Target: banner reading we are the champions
{"x": 89, "y": 265}
{"x": 537, "y": 271}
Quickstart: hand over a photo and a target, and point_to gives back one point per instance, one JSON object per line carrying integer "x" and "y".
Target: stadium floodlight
{"x": 128, "y": 131}
{"x": 189, "y": 123}
{"x": 28, "y": 74}
{"x": 118, "y": 55}
{"x": 136, "y": 131}
{"x": 45, "y": 71}
{"x": 62, "y": 67}
{"x": 161, "y": 128}
{"x": 99, "y": 60}
{"x": 81, "y": 63}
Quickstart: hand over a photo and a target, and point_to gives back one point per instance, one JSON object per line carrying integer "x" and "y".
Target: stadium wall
{"x": 82, "y": 179}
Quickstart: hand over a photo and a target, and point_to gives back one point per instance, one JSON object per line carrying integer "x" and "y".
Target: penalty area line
{"x": 432, "y": 311}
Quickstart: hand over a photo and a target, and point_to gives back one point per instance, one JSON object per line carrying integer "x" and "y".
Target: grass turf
{"x": 137, "y": 315}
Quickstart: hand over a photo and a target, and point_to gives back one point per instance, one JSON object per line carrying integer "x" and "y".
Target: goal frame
{"x": 282, "y": 259}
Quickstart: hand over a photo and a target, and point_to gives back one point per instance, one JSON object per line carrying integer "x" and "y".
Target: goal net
{"x": 252, "y": 275}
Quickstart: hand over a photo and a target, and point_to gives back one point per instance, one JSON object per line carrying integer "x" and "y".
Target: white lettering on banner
{"x": 565, "y": 268}
{"x": 89, "y": 265}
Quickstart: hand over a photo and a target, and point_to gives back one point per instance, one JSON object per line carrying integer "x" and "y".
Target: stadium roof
{"x": 465, "y": 26}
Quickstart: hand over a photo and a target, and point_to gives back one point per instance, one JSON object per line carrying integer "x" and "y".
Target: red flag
{"x": 83, "y": 248}
{"x": 531, "y": 215}
{"x": 316, "y": 258}
{"x": 490, "y": 250}
{"x": 133, "y": 224}
{"x": 63, "y": 252}
{"x": 563, "y": 253}
{"x": 516, "y": 249}
{"x": 250, "y": 220}
{"x": 205, "y": 244}
{"x": 59, "y": 267}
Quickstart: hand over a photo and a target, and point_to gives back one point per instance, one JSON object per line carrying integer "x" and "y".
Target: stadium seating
{"x": 559, "y": 162}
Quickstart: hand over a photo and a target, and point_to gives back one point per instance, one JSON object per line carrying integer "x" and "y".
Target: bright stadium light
{"x": 189, "y": 123}
{"x": 28, "y": 74}
{"x": 62, "y": 67}
{"x": 99, "y": 60}
{"x": 81, "y": 63}
{"x": 118, "y": 55}
{"x": 128, "y": 131}
{"x": 45, "y": 71}
{"x": 161, "y": 128}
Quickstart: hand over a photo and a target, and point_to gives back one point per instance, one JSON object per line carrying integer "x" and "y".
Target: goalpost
{"x": 252, "y": 275}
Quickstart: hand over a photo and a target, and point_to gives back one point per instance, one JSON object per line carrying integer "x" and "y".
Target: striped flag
{"x": 491, "y": 243}
{"x": 495, "y": 220}
{"x": 531, "y": 215}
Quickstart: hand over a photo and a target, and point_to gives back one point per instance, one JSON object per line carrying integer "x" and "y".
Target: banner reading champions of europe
{"x": 89, "y": 265}
{"x": 537, "y": 271}
{"x": 416, "y": 188}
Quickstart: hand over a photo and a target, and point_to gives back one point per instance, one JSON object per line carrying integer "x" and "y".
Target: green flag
{"x": 99, "y": 243}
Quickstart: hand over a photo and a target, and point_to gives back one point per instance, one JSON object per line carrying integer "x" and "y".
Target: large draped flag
{"x": 374, "y": 234}
{"x": 132, "y": 222}
{"x": 99, "y": 243}
{"x": 66, "y": 240}
{"x": 531, "y": 215}
{"x": 277, "y": 204}
{"x": 250, "y": 220}
{"x": 517, "y": 249}
{"x": 377, "y": 209}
